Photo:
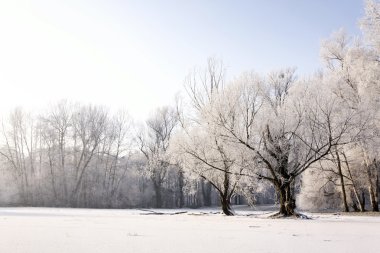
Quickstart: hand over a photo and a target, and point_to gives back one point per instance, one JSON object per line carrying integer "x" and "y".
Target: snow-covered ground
{"x": 56, "y": 230}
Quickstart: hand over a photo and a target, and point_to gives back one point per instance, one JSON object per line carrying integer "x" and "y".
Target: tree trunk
{"x": 346, "y": 209}
{"x": 371, "y": 188}
{"x": 372, "y": 194}
{"x": 354, "y": 202}
{"x": 354, "y": 186}
{"x": 287, "y": 201}
{"x": 226, "y": 205}
{"x": 374, "y": 204}
{"x": 360, "y": 201}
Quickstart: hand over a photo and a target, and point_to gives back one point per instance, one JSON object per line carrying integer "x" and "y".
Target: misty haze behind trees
{"x": 310, "y": 142}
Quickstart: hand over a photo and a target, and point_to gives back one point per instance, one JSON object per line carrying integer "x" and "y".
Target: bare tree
{"x": 89, "y": 124}
{"x": 57, "y": 126}
{"x": 113, "y": 154}
{"x": 20, "y": 140}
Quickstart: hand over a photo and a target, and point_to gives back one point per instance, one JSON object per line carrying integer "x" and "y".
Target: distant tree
{"x": 154, "y": 141}
{"x": 21, "y": 138}
{"x": 114, "y": 153}
{"x": 56, "y": 135}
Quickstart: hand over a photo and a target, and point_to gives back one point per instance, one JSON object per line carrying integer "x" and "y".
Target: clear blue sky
{"x": 246, "y": 34}
{"x": 136, "y": 54}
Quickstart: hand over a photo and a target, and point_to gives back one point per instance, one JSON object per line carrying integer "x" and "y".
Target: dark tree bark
{"x": 287, "y": 201}
{"x": 225, "y": 193}
{"x": 226, "y": 205}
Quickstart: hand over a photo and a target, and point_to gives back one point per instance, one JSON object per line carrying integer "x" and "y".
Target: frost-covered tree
{"x": 114, "y": 155}
{"x": 286, "y": 129}
{"x": 370, "y": 24}
{"x": 56, "y": 135}
{"x": 201, "y": 146}
{"x": 353, "y": 75}
{"x": 154, "y": 141}
{"x": 205, "y": 154}
{"x": 21, "y": 140}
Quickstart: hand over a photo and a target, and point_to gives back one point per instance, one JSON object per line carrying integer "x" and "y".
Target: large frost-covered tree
{"x": 286, "y": 129}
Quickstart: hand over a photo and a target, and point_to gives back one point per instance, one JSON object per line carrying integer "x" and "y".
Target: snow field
{"x": 40, "y": 230}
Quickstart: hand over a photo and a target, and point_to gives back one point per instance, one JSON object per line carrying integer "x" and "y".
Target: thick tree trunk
{"x": 225, "y": 196}
{"x": 226, "y": 205}
{"x": 287, "y": 201}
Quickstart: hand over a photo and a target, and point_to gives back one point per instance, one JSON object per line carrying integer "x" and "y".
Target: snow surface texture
{"x": 40, "y": 230}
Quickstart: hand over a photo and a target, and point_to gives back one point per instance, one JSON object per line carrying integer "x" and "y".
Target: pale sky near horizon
{"x": 136, "y": 54}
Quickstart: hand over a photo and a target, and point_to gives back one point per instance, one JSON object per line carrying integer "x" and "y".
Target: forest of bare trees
{"x": 308, "y": 142}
